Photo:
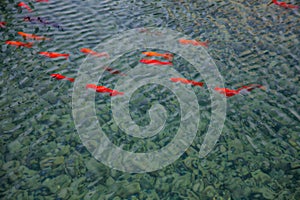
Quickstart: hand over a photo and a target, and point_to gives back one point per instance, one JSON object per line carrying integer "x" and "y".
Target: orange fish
{"x": 35, "y": 37}
{"x": 94, "y": 53}
{"x": 285, "y": 5}
{"x": 155, "y": 62}
{"x": 251, "y": 87}
{"x": 114, "y": 71}
{"x": 19, "y": 44}
{"x": 229, "y": 92}
{"x": 103, "y": 89}
{"x": 22, "y": 4}
{"x": 60, "y": 77}
{"x": 2, "y": 24}
{"x": 54, "y": 54}
{"x": 167, "y": 56}
{"x": 194, "y": 42}
{"x": 186, "y": 81}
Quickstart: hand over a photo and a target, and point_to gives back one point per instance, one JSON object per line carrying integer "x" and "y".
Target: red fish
{"x": 103, "y": 89}
{"x": 22, "y": 4}
{"x": 19, "y": 44}
{"x": 54, "y": 54}
{"x": 194, "y": 42}
{"x": 155, "y": 62}
{"x": 2, "y": 24}
{"x": 186, "y": 81}
{"x": 229, "y": 92}
{"x": 285, "y": 5}
{"x": 35, "y": 37}
{"x": 114, "y": 71}
{"x": 94, "y": 53}
{"x": 167, "y": 56}
{"x": 60, "y": 77}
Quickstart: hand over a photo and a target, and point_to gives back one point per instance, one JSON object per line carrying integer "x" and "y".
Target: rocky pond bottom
{"x": 257, "y": 155}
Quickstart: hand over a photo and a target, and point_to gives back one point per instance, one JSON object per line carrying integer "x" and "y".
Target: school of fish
{"x": 146, "y": 61}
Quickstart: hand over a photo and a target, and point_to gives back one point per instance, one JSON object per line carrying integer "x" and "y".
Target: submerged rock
{"x": 51, "y": 162}
{"x": 55, "y": 184}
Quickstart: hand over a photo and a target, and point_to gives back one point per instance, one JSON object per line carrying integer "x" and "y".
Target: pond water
{"x": 251, "y": 42}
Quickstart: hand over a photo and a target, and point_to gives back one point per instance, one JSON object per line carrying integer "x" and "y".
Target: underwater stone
{"x": 267, "y": 193}
{"x": 114, "y": 128}
{"x": 14, "y": 147}
{"x": 147, "y": 181}
{"x": 64, "y": 193}
{"x": 52, "y": 162}
{"x": 210, "y": 191}
{"x": 63, "y": 150}
{"x": 74, "y": 165}
{"x": 181, "y": 182}
{"x": 260, "y": 177}
{"x": 198, "y": 187}
{"x": 110, "y": 181}
{"x": 222, "y": 149}
{"x": 57, "y": 183}
{"x": 8, "y": 126}
{"x": 295, "y": 165}
{"x": 191, "y": 195}
{"x": 50, "y": 97}
{"x": 126, "y": 189}
{"x": 92, "y": 195}
{"x": 293, "y": 142}
{"x": 297, "y": 194}
{"x": 11, "y": 165}
{"x": 23, "y": 195}
{"x": 77, "y": 186}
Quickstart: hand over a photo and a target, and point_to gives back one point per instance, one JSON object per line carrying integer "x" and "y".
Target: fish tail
{"x": 66, "y": 55}
{"x": 92, "y": 86}
{"x": 168, "y": 56}
{"x": 198, "y": 83}
{"x": 115, "y": 93}
{"x": 71, "y": 79}
{"x": 205, "y": 43}
{"x": 29, "y": 44}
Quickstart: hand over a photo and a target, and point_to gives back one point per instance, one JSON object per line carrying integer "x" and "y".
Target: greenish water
{"x": 257, "y": 155}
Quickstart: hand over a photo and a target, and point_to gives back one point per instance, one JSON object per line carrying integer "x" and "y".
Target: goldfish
{"x": 285, "y": 5}
{"x": 113, "y": 71}
{"x": 194, "y": 42}
{"x": 35, "y": 37}
{"x": 2, "y": 24}
{"x": 22, "y": 4}
{"x": 167, "y": 56}
{"x": 229, "y": 92}
{"x": 103, "y": 89}
{"x": 186, "y": 81}
{"x": 54, "y": 54}
{"x": 91, "y": 52}
{"x": 60, "y": 77}
{"x": 155, "y": 62}
{"x": 42, "y": 21}
{"x": 19, "y": 44}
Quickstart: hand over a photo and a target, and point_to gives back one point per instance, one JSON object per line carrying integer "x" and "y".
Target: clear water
{"x": 257, "y": 155}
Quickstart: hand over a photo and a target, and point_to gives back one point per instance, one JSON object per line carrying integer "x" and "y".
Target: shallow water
{"x": 257, "y": 155}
